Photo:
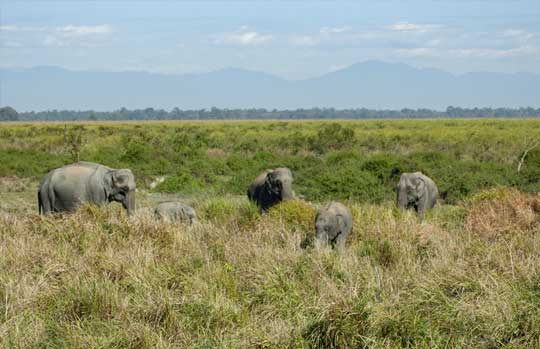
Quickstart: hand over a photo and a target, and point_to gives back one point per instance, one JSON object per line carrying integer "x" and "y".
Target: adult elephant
{"x": 271, "y": 187}
{"x": 65, "y": 188}
{"x": 418, "y": 191}
{"x": 333, "y": 224}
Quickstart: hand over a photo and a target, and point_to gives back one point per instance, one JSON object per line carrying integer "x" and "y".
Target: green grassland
{"x": 468, "y": 276}
{"x": 357, "y": 160}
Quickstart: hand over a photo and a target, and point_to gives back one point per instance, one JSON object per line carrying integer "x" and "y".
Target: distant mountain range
{"x": 371, "y": 84}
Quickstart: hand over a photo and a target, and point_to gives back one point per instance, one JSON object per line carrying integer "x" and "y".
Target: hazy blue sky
{"x": 293, "y": 39}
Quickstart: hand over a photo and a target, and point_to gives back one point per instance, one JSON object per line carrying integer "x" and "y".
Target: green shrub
{"x": 181, "y": 183}
{"x": 332, "y": 137}
{"x": 346, "y": 183}
{"x": 296, "y": 214}
{"x": 529, "y": 176}
{"x": 227, "y": 209}
{"x": 29, "y": 162}
{"x": 136, "y": 151}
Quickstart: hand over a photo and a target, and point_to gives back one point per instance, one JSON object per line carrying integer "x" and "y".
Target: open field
{"x": 466, "y": 277}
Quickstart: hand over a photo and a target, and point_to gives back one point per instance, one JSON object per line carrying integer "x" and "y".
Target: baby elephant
{"x": 175, "y": 211}
{"x": 333, "y": 224}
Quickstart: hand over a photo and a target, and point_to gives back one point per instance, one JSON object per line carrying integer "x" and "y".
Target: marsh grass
{"x": 240, "y": 280}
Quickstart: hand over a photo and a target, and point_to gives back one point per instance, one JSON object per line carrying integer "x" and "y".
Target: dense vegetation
{"x": 9, "y": 114}
{"x": 466, "y": 277}
{"x": 360, "y": 161}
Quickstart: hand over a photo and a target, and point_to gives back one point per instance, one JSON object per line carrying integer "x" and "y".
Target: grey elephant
{"x": 271, "y": 187}
{"x": 65, "y": 188}
{"x": 418, "y": 191}
{"x": 175, "y": 211}
{"x": 333, "y": 224}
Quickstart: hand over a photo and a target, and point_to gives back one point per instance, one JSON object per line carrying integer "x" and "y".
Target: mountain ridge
{"x": 370, "y": 84}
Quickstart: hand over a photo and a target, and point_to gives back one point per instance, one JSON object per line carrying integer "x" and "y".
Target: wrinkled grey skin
{"x": 271, "y": 187}
{"x": 333, "y": 224}
{"x": 175, "y": 211}
{"x": 65, "y": 188}
{"x": 418, "y": 191}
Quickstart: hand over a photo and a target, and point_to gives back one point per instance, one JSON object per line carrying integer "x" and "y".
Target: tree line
{"x": 122, "y": 114}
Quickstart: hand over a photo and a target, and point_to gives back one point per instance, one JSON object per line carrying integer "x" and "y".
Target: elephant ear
{"x": 123, "y": 179}
{"x": 420, "y": 187}
{"x": 119, "y": 179}
{"x": 108, "y": 182}
{"x": 270, "y": 180}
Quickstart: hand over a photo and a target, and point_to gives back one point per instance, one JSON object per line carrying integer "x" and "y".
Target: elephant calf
{"x": 175, "y": 211}
{"x": 418, "y": 191}
{"x": 333, "y": 224}
{"x": 65, "y": 188}
{"x": 271, "y": 187}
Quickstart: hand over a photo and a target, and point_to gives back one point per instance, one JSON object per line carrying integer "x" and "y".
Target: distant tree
{"x": 261, "y": 113}
{"x": 8, "y": 114}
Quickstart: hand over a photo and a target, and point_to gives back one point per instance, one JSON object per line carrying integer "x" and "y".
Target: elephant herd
{"x": 65, "y": 188}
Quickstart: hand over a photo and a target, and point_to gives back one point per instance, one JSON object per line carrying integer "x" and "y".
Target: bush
{"x": 228, "y": 210}
{"x": 29, "y": 162}
{"x": 332, "y": 137}
{"x": 346, "y": 183}
{"x": 298, "y": 215}
{"x": 530, "y": 173}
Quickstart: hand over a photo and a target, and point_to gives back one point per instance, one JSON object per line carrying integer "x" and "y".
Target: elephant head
{"x": 333, "y": 224}
{"x": 279, "y": 183}
{"x": 410, "y": 189}
{"x": 121, "y": 188}
{"x": 328, "y": 227}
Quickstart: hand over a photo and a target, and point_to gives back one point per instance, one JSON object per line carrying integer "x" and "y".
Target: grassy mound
{"x": 503, "y": 211}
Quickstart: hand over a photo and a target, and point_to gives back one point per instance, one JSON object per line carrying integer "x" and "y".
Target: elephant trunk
{"x": 402, "y": 198}
{"x": 321, "y": 235}
{"x": 287, "y": 192}
{"x": 129, "y": 202}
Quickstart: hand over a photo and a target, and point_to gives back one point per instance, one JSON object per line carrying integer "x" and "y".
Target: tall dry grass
{"x": 96, "y": 279}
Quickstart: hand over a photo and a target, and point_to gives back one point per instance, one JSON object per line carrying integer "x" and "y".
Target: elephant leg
{"x": 421, "y": 209}
{"x": 44, "y": 203}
